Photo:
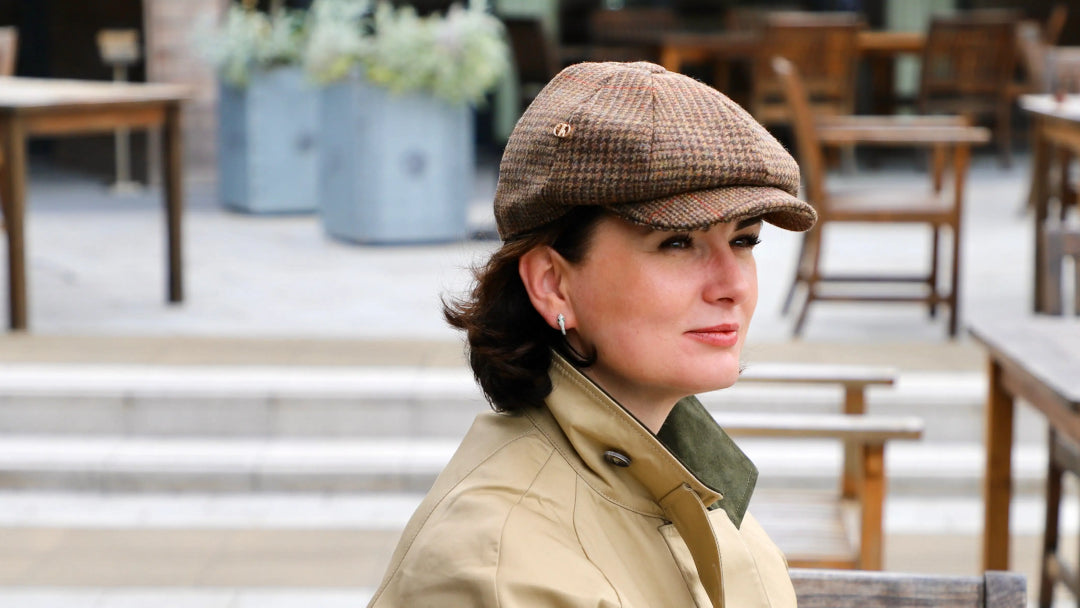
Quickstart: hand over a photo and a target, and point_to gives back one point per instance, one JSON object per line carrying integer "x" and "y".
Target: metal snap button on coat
{"x": 616, "y": 459}
{"x": 562, "y": 130}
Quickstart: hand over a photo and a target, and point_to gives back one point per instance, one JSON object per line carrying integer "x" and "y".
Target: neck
{"x": 648, "y": 410}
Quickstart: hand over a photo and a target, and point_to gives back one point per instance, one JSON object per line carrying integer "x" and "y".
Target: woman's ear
{"x": 543, "y": 272}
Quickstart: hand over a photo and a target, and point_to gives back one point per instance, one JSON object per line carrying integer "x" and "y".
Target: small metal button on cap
{"x": 562, "y": 130}
{"x": 617, "y": 459}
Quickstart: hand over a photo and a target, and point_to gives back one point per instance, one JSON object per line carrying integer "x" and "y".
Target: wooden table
{"x": 677, "y": 48}
{"x": 1037, "y": 359}
{"x": 879, "y": 48}
{"x": 33, "y": 107}
{"x": 1055, "y": 131}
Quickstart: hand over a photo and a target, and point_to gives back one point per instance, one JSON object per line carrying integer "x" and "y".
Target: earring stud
{"x": 561, "y": 320}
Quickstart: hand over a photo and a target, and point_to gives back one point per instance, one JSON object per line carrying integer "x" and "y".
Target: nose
{"x": 731, "y": 276}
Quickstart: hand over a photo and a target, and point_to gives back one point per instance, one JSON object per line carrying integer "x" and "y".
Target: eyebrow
{"x": 748, "y": 222}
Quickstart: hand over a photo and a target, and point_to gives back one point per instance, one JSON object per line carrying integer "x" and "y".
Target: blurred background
{"x": 262, "y": 439}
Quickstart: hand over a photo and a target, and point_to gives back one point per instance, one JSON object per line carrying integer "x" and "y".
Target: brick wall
{"x": 170, "y": 58}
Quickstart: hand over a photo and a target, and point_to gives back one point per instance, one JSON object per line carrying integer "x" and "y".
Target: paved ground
{"x": 277, "y": 291}
{"x": 96, "y": 267}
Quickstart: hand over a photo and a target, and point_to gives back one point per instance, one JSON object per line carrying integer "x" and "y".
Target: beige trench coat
{"x": 578, "y": 504}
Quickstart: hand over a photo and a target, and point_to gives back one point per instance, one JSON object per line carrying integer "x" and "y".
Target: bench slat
{"x": 815, "y": 373}
{"x": 809, "y": 527}
{"x": 861, "y": 589}
{"x": 852, "y": 428}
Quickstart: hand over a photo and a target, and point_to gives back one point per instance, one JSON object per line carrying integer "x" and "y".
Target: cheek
{"x": 750, "y": 272}
{"x": 618, "y": 294}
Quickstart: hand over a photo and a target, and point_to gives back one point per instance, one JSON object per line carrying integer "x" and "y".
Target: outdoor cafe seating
{"x": 823, "y": 48}
{"x": 967, "y": 68}
{"x": 928, "y": 205}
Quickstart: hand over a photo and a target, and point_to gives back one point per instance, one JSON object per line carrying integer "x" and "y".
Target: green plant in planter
{"x": 397, "y": 154}
{"x": 248, "y": 41}
{"x": 458, "y": 57}
{"x": 268, "y": 111}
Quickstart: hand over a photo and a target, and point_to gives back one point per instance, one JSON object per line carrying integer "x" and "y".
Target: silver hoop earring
{"x": 561, "y": 320}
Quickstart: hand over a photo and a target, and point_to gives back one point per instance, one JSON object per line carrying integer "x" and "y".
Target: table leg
{"x": 873, "y": 502}
{"x": 13, "y": 193}
{"x": 854, "y": 403}
{"x": 173, "y": 157}
{"x": 997, "y": 489}
{"x": 1038, "y": 198}
{"x": 961, "y": 160}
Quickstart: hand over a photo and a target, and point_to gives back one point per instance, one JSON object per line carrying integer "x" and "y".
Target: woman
{"x": 629, "y": 202}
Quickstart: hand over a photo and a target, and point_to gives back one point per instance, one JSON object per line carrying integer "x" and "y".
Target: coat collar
{"x": 690, "y": 449}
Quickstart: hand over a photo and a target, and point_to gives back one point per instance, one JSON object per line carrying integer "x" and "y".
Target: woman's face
{"x": 666, "y": 312}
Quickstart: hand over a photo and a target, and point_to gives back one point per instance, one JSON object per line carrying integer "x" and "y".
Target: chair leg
{"x": 800, "y": 274}
{"x": 938, "y": 159}
{"x": 1050, "y": 533}
{"x": 800, "y": 321}
{"x": 932, "y": 278}
{"x": 812, "y": 246}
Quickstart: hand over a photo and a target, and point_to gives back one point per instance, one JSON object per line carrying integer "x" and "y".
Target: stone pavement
{"x": 271, "y": 293}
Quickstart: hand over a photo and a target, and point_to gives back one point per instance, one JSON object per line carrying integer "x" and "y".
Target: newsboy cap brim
{"x": 703, "y": 208}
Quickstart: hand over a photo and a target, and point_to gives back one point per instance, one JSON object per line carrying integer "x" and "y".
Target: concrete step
{"x": 386, "y": 513}
{"x": 183, "y": 597}
{"x": 338, "y": 465}
{"x": 291, "y": 550}
{"x": 371, "y": 401}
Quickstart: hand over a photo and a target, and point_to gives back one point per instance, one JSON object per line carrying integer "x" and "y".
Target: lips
{"x": 725, "y": 335}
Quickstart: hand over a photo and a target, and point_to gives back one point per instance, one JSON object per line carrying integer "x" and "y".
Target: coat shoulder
{"x": 497, "y": 523}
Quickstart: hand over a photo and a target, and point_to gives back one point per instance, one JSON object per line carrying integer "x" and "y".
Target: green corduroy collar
{"x": 692, "y": 435}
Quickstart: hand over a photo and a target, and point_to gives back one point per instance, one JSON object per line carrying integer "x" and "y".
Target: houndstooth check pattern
{"x": 656, "y": 147}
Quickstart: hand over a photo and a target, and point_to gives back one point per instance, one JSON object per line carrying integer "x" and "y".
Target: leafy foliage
{"x": 248, "y": 40}
{"x": 457, "y": 57}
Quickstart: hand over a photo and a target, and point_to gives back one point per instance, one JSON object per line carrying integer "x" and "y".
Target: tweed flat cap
{"x": 655, "y": 147}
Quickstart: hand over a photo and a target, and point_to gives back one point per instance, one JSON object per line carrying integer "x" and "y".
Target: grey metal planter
{"x": 267, "y": 143}
{"x": 393, "y": 168}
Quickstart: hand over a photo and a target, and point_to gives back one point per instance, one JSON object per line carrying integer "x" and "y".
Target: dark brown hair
{"x": 509, "y": 343}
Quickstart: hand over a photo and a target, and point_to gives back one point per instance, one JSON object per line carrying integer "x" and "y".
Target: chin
{"x": 710, "y": 380}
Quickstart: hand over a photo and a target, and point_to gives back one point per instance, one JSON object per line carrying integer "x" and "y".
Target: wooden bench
{"x": 851, "y": 589}
{"x": 844, "y": 528}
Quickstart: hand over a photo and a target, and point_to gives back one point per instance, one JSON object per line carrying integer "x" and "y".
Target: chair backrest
{"x": 865, "y": 589}
{"x": 9, "y": 46}
{"x": 823, "y": 46}
{"x": 969, "y": 55}
{"x": 1059, "y": 243}
{"x": 807, "y": 144}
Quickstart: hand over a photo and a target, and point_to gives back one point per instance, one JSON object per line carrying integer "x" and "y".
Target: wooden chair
{"x": 818, "y": 528}
{"x": 845, "y": 589}
{"x": 1064, "y": 454}
{"x": 823, "y": 46}
{"x": 932, "y": 207}
{"x": 967, "y": 69}
{"x": 536, "y": 59}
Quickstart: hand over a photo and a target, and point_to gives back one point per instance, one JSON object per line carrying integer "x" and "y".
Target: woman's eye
{"x": 746, "y": 241}
{"x": 680, "y": 241}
